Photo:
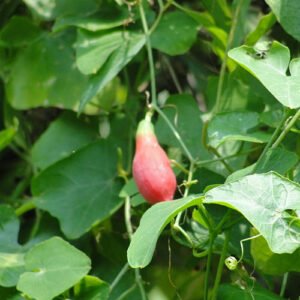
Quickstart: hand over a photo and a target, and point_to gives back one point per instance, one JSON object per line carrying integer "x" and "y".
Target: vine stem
{"x": 119, "y": 276}
{"x": 176, "y": 225}
{"x": 274, "y": 144}
{"x": 286, "y": 129}
{"x": 213, "y": 233}
{"x": 27, "y": 206}
{"x": 284, "y": 283}
{"x": 220, "y": 267}
{"x": 175, "y": 132}
{"x": 127, "y": 214}
{"x": 150, "y": 54}
{"x": 218, "y": 104}
{"x": 208, "y": 265}
{"x": 271, "y": 141}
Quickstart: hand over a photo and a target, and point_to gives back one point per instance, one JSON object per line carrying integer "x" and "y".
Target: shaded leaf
{"x": 235, "y": 126}
{"x": 63, "y": 137}
{"x": 91, "y": 288}
{"x": 36, "y": 83}
{"x": 51, "y": 9}
{"x": 183, "y": 112}
{"x": 286, "y": 12}
{"x": 11, "y": 256}
{"x": 175, "y": 34}
{"x": 132, "y": 44}
{"x": 272, "y": 263}
{"x": 233, "y": 292}
{"x": 105, "y": 19}
{"x": 81, "y": 189}
{"x": 18, "y": 32}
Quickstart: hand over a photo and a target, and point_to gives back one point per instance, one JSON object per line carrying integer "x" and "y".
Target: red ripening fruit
{"x": 152, "y": 171}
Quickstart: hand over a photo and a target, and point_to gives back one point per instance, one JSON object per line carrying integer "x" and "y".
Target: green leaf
{"x": 11, "y": 267}
{"x": 53, "y": 266}
{"x": 286, "y": 12}
{"x": 9, "y": 229}
{"x": 265, "y": 200}
{"x": 272, "y": 263}
{"x": 175, "y": 34}
{"x": 6, "y": 136}
{"x": 93, "y": 49}
{"x": 81, "y": 189}
{"x": 202, "y": 18}
{"x": 278, "y": 160}
{"x": 155, "y": 219}
{"x": 36, "y": 83}
{"x": 233, "y": 292}
{"x": 91, "y": 288}
{"x": 270, "y": 67}
{"x": 107, "y": 18}
{"x": 11, "y": 256}
{"x": 51, "y": 9}
{"x": 63, "y": 137}
{"x": 132, "y": 44}
{"x": 19, "y": 31}
{"x": 263, "y": 26}
{"x": 183, "y": 112}
{"x": 235, "y": 126}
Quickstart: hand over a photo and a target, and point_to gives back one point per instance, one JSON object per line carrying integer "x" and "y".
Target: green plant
{"x": 219, "y": 81}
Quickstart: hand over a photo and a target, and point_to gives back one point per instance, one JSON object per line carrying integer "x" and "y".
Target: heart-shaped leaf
{"x": 270, "y": 67}
{"x": 269, "y": 202}
{"x": 81, "y": 189}
{"x": 11, "y": 256}
{"x": 52, "y": 267}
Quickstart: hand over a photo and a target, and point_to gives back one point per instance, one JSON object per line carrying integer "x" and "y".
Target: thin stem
{"x": 119, "y": 276}
{"x": 208, "y": 265}
{"x": 162, "y": 9}
{"x": 129, "y": 228}
{"x": 27, "y": 206}
{"x": 226, "y": 165}
{"x": 173, "y": 75}
{"x": 242, "y": 245}
{"x": 138, "y": 280}
{"x": 150, "y": 54}
{"x": 176, "y": 225}
{"x": 218, "y": 104}
{"x": 271, "y": 141}
{"x": 210, "y": 161}
{"x": 220, "y": 267}
{"x": 127, "y": 292}
{"x": 286, "y": 129}
{"x": 175, "y": 132}
{"x": 179, "y": 166}
{"x": 283, "y": 285}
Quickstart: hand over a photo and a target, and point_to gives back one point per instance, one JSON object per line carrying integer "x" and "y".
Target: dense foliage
{"x": 220, "y": 81}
